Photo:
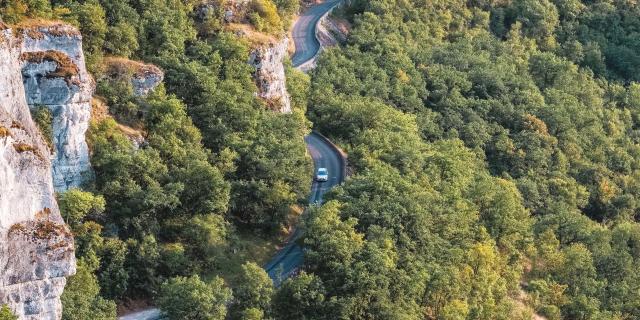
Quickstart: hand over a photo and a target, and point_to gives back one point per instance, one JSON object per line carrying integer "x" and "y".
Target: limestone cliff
{"x": 269, "y": 75}
{"x": 55, "y": 76}
{"x": 36, "y": 247}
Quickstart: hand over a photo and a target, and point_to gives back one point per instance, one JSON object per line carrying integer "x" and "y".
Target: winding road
{"x": 304, "y": 32}
{"x": 324, "y": 154}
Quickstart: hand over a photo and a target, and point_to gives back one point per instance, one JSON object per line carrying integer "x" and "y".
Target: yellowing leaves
{"x": 402, "y": 76}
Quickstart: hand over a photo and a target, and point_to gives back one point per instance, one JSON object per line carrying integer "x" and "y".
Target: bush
{"x": 6, "y": 314}
{"x": 191, "y": 298}
{"x": 81, "y": 298}
{"x": 43, "y": 118}
{"x": 265, "y": 17}
{"x": 76, "y": 204}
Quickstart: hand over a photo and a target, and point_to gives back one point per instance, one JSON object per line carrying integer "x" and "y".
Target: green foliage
{"x": 252, "y": 296}
{"x": 81, "y": 299}
{"x": 542, "y": 136}
{"x": 174, "y": 260}
{"x": 44, "y": 120}
{"x": 112, "y": 276}
{"x": 494, "y": 145}
{"x": 119, "y": 96}
{"x": 207, "y": 238}
{"x": 165, "y": 27}
{"x": 264, "y": 16}
{"x": 141, "y": 265}
{"x": 6, "y": 314}
{"x": 192, "y": 298}
{"x": 269, "y": 168}
{"x": 121, "y": 40}
{"x": 163, "y": 208}
{"x": 287, "y": 9}
{"x": 302, "y": 297}
{"x": 91, "y": 20}
{"x": 13, "y": 11}
{"x": 538, "y": 18}
{"x": 298, "y": 85}
{"x": 75, "y": 205}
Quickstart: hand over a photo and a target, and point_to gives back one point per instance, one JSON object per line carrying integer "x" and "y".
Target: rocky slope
{"x": 144, "y": 78}
{"x": 55, "y": 76}
{"x": 36, "y": 247}
{"x": 270, "y": 77}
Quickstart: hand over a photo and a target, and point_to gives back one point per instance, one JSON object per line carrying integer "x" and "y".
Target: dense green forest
{"x": 494, "y": 145}
{"x": 496, "y": 152}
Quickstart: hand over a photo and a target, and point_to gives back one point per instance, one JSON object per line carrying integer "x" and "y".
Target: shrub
{"x": 43, "y": 118}
{"x": 264, "y": 16}
{"x": 192, "y": 298}
{"x": 6, "y": 314}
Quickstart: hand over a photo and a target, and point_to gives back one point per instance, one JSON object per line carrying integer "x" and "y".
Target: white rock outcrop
{"x": 36, "y": 247}
{"x": 270, "y": 76}
{"x": 55, "y": 76}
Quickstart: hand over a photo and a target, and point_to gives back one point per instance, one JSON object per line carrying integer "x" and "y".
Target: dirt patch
{"x": 4, "y": 132}
{"x": 117, "y": 67}
{"x": 38, "y": 29}
{"x": 131, "y": 306}
{"x": 248, "y": 32}
{"x": 99, "y": 109}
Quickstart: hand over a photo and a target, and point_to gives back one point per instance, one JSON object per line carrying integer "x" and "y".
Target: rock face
{"x": 36, "y": 247}
{"x": 143, "y": 77}
{"x": 331, "y": 32}
{"x": 269, "y": 75}
{"x": 146, "y": 79}
{"x": 55, "y": 76}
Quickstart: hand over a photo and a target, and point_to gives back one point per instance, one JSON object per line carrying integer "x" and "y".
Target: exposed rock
{"x": 143, "y": 77}
{"x": 232, "y": 11}
{"x": 55, "y": 76}
{"x": 332, "y": 31}
{"x": 36, "y": 247}
{"x": 270, "y": 76}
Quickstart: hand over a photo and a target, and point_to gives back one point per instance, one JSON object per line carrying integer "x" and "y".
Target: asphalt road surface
{"x": 148, "y": 314}
{"x": 304, "y": 32}
{"x": 289, "y": 258}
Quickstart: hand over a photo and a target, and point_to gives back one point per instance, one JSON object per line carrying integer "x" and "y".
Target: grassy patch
{"x": 4, "y": 132}
{"x": 254, "y": 38}
{"x": 247, "y": 246}
{"x": 117, "y": 67}
{"x": 23, "y": 147}
{"x": 250, "y": 246}
{"x": 36, "y": 28}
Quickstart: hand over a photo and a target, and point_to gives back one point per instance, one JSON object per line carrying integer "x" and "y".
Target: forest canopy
{"x": 495, "y": 149}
